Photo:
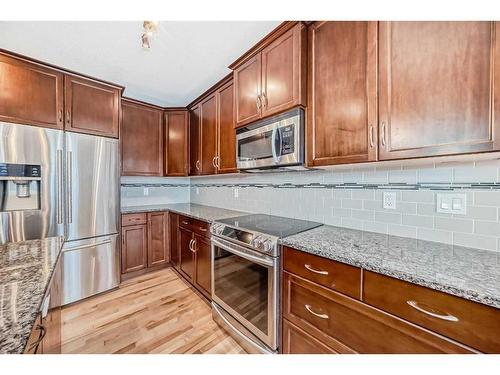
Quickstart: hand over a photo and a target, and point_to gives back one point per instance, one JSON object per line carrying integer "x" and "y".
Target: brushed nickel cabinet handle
{"x": 309, "y": 267}
{"x": 383, "y": 134}
{"x": 60, "y": 114}
{"x": 258, "y": 102}
{"x": 68, "y": 117}
{"x": 214, "y": 163}
{"x": 190, "y": 244}
{"x": 447, "y": 317}
{"x": 197, "y": 164}
{"x": 264, "y": 102}
{"x": 372, "y": 142}
{"x": 185, "y": 223}
{"x": 194, "y": 246}
{"x": 322, "y": 316}
{"x": 203, "y": 229}
{"x": 217, "y": 161}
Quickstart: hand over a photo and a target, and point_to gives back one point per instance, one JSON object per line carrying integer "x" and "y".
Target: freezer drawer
{"x": 90, "y": 267}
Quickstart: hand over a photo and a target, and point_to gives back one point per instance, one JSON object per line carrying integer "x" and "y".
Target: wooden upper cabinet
{"x": 30, "y": 93}
{"x": 342, "y": 93}
{"x": 208, "y": 143}
{"x": 195, "y": 140}
{"x": 272, "y": 78}
{"x": 91, "y": 107}
{"x": 176, "y": 143}
{"x": 142, "y": 140}
{"x": 158, "y": 253}
{"x": 437, "y": 88}
{"x": 226, "y": 138}
{"x": 247, "y": 87}
{"x": 283, "y": 72}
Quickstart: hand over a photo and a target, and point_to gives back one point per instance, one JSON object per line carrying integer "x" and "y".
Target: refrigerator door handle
{"x": 69, "y": 188}
{"x": 59, "y": 189}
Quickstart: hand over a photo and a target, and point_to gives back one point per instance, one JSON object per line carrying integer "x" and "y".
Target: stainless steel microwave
{"x": 272, "y": 143}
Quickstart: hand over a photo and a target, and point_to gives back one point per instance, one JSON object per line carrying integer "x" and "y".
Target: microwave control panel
{"x": 287, "y": 140}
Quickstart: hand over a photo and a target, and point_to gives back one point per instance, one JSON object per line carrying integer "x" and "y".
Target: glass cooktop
{"x": 272, "y": 225}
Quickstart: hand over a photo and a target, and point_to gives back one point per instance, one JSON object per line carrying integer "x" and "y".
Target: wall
{"x": 351, "y": 196}
{"x": 160, "y": 190}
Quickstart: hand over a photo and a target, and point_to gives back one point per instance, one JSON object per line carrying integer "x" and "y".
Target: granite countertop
{"x": 197, "y": 211}
{"x": 26, "y": 269}
{"x": 468, "y": 273}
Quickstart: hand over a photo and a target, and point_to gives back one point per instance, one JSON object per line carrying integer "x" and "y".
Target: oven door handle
{"x": 234, "y": 249}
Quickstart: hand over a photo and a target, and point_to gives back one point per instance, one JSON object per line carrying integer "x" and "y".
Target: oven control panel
{"x": 259, "y": 242}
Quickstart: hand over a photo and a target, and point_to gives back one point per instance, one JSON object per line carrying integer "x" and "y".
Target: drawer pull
{"x": 185, "y": 223}
{"x": 448, "y": 317}
{"x": 309, "y": 267}
{"x": 322, "y": 316}
{"x": 203, "y": 229}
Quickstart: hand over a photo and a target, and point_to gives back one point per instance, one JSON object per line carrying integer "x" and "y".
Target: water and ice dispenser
{"x": 20, "y": 187}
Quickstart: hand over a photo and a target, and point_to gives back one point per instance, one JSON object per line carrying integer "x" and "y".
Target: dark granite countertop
{"x": 197, "y": 211}
{"x": 26, "y": 269}
{"x": 468, "y": 273}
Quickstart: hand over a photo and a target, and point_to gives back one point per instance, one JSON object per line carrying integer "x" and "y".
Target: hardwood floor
{"x": 154, "y": 313}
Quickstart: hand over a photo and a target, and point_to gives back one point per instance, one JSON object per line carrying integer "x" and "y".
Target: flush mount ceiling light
{"x": 149, "y": 28}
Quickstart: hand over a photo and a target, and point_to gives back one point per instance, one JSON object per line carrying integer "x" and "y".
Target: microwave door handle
{"x": 273, "y": 143}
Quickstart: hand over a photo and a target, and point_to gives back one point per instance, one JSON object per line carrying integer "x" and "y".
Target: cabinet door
{"x": 176, "y": 143}
{"x": 226, "y": 135}
{"x": 297, "y": 341}
{"x": 283, "y": 62}
{"x": 194, "y": 140}
{"x": 134, "y": 248}
{"x": 91, "y": 107}
{"x": 157, "y": 239}
{"x": 173, "y": 222}
{"x": 208, "y": 134}
{"x": 186, "y": 255}
{"x": 342, "y": 101}
{"x": 142, "y": 140}
{"x": 203, "y": 279}
{"x": 247, "y": 89}
{"x": 30, "y": 94}
{"x": 437, "y": 88}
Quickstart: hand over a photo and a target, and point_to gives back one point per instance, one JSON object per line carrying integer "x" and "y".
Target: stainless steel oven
{"x": 245, "y": 286}
{"x": 272, "y": 143}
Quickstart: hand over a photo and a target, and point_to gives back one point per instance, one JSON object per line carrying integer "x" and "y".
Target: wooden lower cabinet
{"x": 173, "y": 224}
{"x": 297, "y": 341}
{"x": 186, "y": 259}
{"x": 195, "y": 259}
{"x": 134, "y": 248}
{"x": 349, "y": 325}
{"x": 203, "y": 279}
{"x": 158, "y": 253}
{"x": 145, "y": 245}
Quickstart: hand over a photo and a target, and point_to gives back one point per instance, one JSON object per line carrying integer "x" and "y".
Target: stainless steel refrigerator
{"x": 75, "y": 195}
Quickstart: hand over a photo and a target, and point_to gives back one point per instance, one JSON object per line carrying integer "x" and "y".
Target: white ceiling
{"x": 185, "y": 59}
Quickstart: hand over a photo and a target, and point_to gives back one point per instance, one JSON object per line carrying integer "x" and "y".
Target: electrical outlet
{"x": 451, "y": 203}
{"x": 390, "y": 200}
{"x": 146, "y": 191}
{"x": 197, "y": 191}
{"x": 236, "y": 192}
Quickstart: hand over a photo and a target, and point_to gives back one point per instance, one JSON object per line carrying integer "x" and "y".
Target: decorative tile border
{"x": 396, "y": 186}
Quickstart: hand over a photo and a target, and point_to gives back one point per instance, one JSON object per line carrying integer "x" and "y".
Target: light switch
{"x": 451, "y": 203}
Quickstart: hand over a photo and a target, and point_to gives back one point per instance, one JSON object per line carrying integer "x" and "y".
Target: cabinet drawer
{"x": 297, "y": 341}
{"x": 334, "y": 275}
{"x": 133, "y": 219}
{"x": 197, "y": 226}
{"x": 468, "y": 322}
{"x": 342, "y": 322}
